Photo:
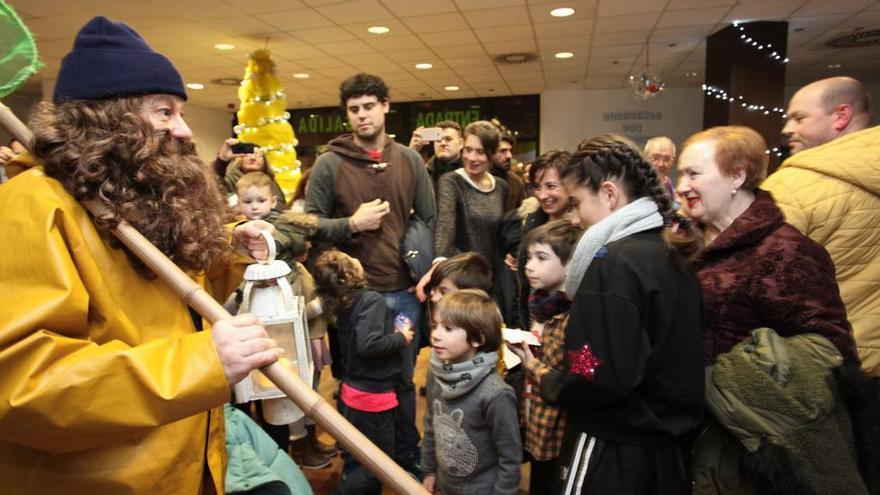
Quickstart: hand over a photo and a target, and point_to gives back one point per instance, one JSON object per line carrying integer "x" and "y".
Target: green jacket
{"x": 256, "y": 464}
{"x": 782, "y": 390}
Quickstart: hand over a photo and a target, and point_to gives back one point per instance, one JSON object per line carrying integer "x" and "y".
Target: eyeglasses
{"x": 661, "y": 158}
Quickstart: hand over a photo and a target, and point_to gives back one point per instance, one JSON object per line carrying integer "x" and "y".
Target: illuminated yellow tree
{"x": 262, "y": 119}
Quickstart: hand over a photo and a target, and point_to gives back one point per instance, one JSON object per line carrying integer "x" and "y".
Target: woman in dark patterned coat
{"x": 755, "y": 270}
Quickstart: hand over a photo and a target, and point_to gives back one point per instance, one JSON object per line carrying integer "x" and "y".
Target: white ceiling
{"x": 328, "y": 39}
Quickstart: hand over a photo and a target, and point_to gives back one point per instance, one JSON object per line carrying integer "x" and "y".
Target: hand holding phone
{"x": 430, "y": 134}
{"x": 243, "y": 148}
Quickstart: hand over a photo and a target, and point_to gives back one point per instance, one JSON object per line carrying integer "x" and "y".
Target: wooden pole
{"x": 314, "y": 406}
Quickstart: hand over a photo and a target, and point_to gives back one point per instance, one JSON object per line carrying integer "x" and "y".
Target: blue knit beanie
{"x": 110, "y": 59}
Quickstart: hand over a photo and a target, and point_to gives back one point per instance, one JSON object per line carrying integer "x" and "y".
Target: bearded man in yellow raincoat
{"x": 107, "y": 386}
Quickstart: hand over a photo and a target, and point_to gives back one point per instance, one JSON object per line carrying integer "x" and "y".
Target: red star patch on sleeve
{"x": 583, "y": 362}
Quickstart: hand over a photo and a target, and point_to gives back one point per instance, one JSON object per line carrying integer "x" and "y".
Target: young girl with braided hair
{"x": 632, "y": 377}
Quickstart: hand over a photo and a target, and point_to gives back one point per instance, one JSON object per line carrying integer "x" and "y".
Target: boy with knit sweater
{"x": 471, "y": 440}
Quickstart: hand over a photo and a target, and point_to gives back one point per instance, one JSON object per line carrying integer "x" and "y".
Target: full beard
{"x": 172, "y": 198}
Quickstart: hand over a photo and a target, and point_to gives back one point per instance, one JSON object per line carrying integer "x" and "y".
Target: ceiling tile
{"x": 408, "y": 8}
{"x": 296, "y": 53}
{"x": 239, "y": 26}
{"x": 436, "y": 23}
{"x": 449, "y": 38}
{"x": 483, "y": 4}
{"x": 510, "y": 47}
{"x": 466, "y": 62}
{"x": 293, "y": 20}
{"x": 692, "y": 17}
{"x": 764, "y": 11}
{"x": 489, "y": 18}
{"x": 411, "y": 57}
{"x": 824, "y": 7}
{"x": 568, "y": 44}
{"x": 355, "y": 11}
{"x": 324, "y": 62}
{"x": 692, "y": 4}
{"x": 583, "y": 27}
{"x": 628, "y": 7}
{"x": 506, "y": 33}
{"x": 347, "y": 48}
{"x": 626, "y": 22}
{"x": 679, "y": 34}
{"x": 461, "y": 51}
{"x": 616, "y": 52}
{"x": 327, "y": 34}
{"x": 408, "y": 42}
{"x": 260, "y": 6}
{"x": 622, "y": 38}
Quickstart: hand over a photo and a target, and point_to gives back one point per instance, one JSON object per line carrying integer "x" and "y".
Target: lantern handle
{"x": 273, "y": 250}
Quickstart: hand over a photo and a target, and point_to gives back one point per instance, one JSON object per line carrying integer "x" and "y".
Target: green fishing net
{"x": 18, "y": 52}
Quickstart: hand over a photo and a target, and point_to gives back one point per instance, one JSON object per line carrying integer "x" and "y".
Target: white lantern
{"x": 268, "y": 295}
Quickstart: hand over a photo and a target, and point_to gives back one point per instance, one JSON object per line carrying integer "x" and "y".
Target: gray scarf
{"x": 638, "y": 216}
{"x": 457, "y": 379}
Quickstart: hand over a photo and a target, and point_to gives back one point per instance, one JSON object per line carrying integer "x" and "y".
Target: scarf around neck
{"x": 544, "y": 306}
{"x": 638, "y": 216}
{"x": 457, "y": 379}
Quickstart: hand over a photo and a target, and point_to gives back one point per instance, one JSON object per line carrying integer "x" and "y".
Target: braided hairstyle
{"x": 614, "y": 157}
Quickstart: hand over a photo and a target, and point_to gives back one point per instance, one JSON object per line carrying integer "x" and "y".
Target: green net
{"x": 18, "y": 52}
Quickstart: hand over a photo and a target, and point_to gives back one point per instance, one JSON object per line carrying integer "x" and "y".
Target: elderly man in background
{"x": 830, "y": 190}
{"x": 660, "y": 152}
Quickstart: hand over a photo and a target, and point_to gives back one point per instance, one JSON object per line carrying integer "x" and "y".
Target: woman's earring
{"x": 733, "y": 191}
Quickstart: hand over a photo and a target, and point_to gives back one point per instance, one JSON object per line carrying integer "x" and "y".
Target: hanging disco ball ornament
{"x": 647, "y": 84}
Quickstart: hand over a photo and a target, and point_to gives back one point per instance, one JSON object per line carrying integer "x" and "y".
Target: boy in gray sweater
{"x": 472, "y": 440}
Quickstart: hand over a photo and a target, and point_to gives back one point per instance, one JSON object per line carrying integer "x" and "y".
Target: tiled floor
{"x": 324, "y": 481}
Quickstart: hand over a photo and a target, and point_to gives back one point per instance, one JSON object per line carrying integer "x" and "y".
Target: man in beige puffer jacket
{"x": 830, "y": 190}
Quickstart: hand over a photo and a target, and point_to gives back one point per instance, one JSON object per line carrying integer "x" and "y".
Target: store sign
{"x": 462, "y": 117}
{"x": 636, "y": 125}
{"x": 315, "y": 123}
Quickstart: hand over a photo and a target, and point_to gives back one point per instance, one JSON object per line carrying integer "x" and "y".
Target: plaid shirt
{"x": 545, "y": 423}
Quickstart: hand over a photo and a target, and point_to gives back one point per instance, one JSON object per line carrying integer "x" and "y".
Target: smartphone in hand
{"x": 243, "y": 148}
{"x": 430, "y": 134}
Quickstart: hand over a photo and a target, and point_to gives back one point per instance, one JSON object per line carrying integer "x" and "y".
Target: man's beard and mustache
{"x": 154, "y": 181}
{"x": 173, "y": 199}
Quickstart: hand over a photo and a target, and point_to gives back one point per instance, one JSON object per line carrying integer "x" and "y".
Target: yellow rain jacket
{"x": 106, "y": 386}
{"x": 831, "y": 193}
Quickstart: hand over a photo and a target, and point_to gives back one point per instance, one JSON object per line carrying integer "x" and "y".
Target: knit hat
{"x": 110, "y": 59}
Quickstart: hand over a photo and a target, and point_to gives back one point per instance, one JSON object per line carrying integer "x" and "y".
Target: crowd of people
{"x": 715, "y": 334}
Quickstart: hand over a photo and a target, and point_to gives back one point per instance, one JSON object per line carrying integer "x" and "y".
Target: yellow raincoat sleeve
{"x": 92, "y": 354}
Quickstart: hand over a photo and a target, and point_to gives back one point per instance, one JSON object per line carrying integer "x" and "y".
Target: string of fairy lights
{"x": 723, "y": 95}
{"x": 749, "y": 41}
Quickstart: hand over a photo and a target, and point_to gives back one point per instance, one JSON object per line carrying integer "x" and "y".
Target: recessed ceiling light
{"x": 690, "y": 74}
{"x": 424, "y": 66}
{"x": 195, "y": 86}
{"x": 833, "y": 66}
{"x": 224, "y": 46}
{"x": 562, "y": 12}
{"x": 451, "y": 88}
{"x": 564, "y": 55}
{"x": 378, "y": 29}
{"x": 301, "y": 75}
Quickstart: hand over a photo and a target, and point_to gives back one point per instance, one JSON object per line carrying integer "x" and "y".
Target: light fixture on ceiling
{"x": 833, "y": 66}
{"x": 195, "y": 85}
{"x": 690, "y": 74}
{"x": 227, "y": 81}
{"x": 378, "y": 29}
{"x": 564, "y": 55}
{"x": 424, "y": 66}
{"x": 562, "y": 12}
{"x": 301, "y": 75}
{"x": 450, "y": 88}
{"x": 224, "y": 46}
{"x": 515, "y": 58}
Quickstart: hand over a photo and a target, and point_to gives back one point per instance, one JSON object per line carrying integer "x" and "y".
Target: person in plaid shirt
{"x": 549, "y": 248}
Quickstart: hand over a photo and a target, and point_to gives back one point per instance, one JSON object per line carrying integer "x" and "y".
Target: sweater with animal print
{"x": 472, "y": 440}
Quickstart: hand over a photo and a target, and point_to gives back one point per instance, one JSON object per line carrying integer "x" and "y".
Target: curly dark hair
{"x": 336, "y": 280}
{"x": 614, "y": 157}
{"x": 106, "y": 149}
{"x": 360, "y": 85}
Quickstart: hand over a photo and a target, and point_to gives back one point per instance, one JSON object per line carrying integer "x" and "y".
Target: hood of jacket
{"x": 862, "y": 159}
{"x": 345, "y": 146}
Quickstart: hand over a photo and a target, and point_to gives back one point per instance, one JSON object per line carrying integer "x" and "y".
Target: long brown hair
{"x": 106, "y": 149}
